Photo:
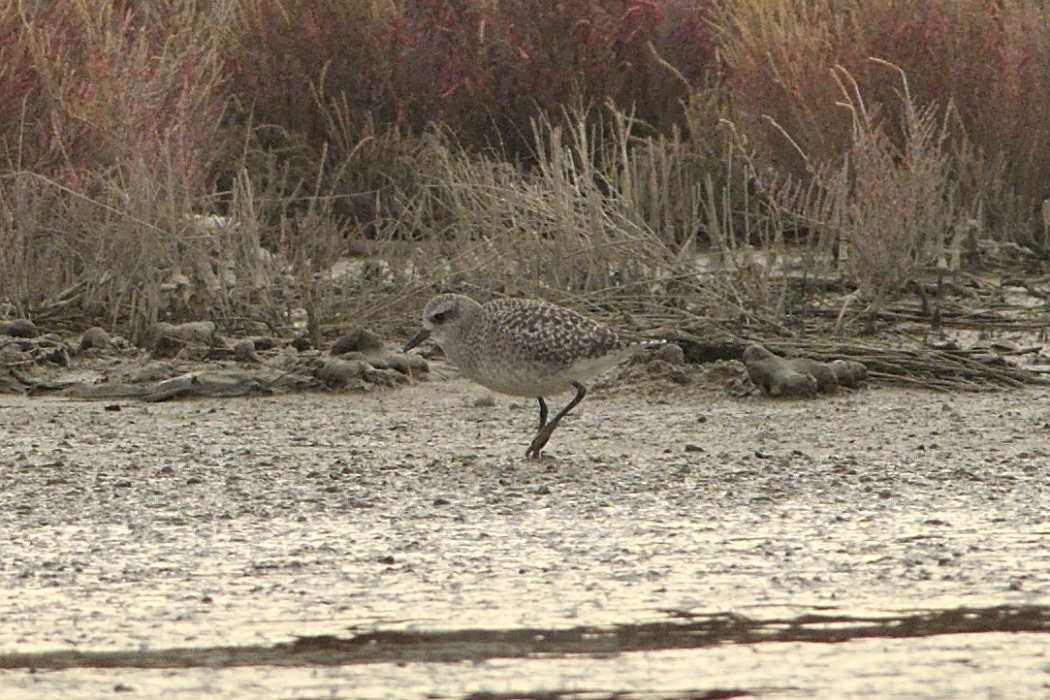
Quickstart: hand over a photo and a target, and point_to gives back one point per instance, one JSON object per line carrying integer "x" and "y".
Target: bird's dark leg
{"x": 545, "y": 431}
{"x": 543, "y": 412}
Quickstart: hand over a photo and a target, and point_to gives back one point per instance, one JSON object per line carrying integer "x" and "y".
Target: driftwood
{"x": 903, "y": 341}
{"x": 945, "y": 368}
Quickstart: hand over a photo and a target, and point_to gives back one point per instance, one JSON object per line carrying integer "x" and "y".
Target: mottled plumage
{"x": 524, "y": 347}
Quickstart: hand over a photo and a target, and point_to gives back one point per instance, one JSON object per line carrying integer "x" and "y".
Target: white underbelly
{"x": 529, "y": 379}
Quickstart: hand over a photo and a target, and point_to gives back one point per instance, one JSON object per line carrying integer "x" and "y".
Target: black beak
{"x": 416, "y": 340}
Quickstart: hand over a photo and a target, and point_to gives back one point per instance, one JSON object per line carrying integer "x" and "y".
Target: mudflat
{"x": 675, "y": 542}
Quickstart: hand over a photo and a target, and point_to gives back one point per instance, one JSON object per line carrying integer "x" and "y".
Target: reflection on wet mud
{"x": 474, "y": 645}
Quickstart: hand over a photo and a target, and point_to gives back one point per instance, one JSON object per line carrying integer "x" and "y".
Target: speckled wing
{"x": 547, "y": 333}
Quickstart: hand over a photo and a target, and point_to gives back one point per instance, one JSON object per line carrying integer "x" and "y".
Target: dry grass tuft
{"x": 564, "y": 228}
{"x": 117, "y": 132}
{"x": 886, "y": 213}
{"x": 990, "y": 61}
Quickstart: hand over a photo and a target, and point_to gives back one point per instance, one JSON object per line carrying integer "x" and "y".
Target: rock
{"x": 263, "y": 343}
{"x": 244, "y": 351}
{"x": 357, "y": 248}
{"x": 58, "y": 355}
{"x": 850, "y": 374}
{"x": 361, "y": 345}
{"x": 406, "y": 364}
{"x": 800, "y": 376}
{"x": 94, "y": 337}
{"x": 19, "y": 328}
{"x": 336, "y": 372}
{"x": 358, "y": 340}
{"x": 827, "y": 382}
{"x": 164, "y": 346}
{"x": 385, "y": 377}
{"x": 776, "y": 376}
{"x": 671, "y": 353}
{"x": 354, "y": 355}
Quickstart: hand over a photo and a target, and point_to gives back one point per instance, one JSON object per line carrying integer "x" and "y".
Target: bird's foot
{"x": 540, "y": 441}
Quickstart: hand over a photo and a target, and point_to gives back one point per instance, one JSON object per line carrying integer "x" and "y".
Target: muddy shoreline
{"x": 309, "y": 531}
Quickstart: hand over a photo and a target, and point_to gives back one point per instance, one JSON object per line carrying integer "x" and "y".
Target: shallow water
{"x": 247, "y": 523}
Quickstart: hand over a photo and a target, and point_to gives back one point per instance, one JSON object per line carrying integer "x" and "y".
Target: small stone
{"x": 671, "y": 353}
{"x": 357, "y": 339}
{"x": 336, "y": 372}
{"x": 244, "y": 351}
{"x": 94, "y": 337}
{"x": 263, "y": 343}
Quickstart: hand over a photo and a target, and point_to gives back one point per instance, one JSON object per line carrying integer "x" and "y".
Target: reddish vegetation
{"x": 90, "y": 88}
{"x": 151, "y": 101}
{"x": 990, "y": 64}
{"x": 88, "y": 85}
{"x": 486, "y": 68}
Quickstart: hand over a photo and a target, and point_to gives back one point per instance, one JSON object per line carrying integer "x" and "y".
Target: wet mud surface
{"x": 676, "y": 542}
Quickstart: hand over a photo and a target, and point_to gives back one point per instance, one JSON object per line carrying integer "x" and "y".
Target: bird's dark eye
{"x": 439, "y": 317}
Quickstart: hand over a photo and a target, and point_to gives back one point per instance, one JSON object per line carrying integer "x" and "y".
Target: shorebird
{"x": 524, "y": 347}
